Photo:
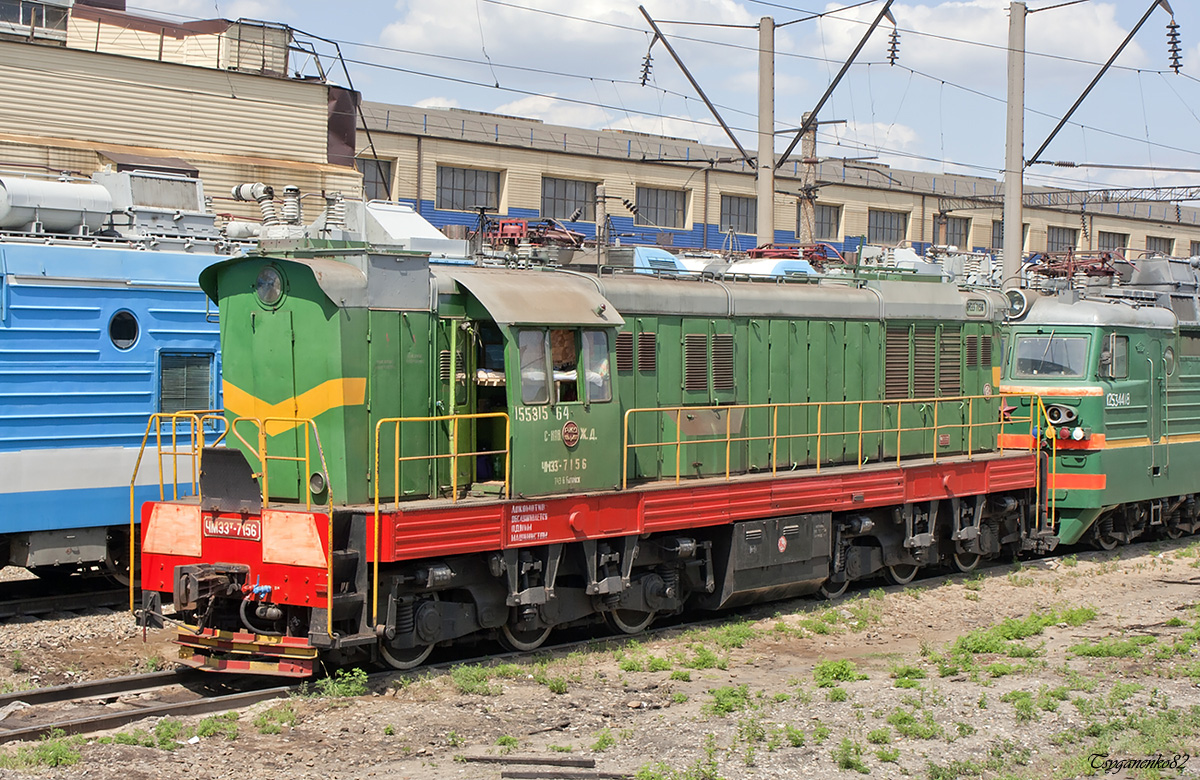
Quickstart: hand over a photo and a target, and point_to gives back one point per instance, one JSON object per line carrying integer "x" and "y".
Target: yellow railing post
{"x": 774, "y": 439}
{"x": 728, "y": 444}
{"x": 453, "y": 459}
{"x": 860, "y": 434}
{"x": 678, "y": 442}
{"x": 970, "y": 426}
{"x": 819, "y": 437}
{"x": 936, "y": 406}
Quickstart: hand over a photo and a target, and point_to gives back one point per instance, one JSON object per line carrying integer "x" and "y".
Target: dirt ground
{"x": 1046, "y": 669}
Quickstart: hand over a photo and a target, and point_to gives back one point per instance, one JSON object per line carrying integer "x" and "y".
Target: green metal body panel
{"x": 291, "y": 359}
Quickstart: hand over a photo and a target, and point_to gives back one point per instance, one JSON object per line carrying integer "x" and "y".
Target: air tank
{"x": 60, "y": 206}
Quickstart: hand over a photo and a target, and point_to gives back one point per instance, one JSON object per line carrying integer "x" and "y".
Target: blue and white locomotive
{"x": 102, "y": 324}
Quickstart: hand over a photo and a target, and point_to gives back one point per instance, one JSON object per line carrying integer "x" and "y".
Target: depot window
{"x": 1108, "y": 242}
{"x": 660, "y": 208}
{"x": 1039, "y": 357}
{"x": 377, "y": 178}
{"x": 827, "y": 221}
{"x": 957, "y": 232}
{"x": 568, "y": 199}
{"x": 1061, "y": 239}
{"x": 886, "y": 227}
{"x": 1160, "y": 245}
{"x": 578, "y": 362}
{"x": 739, "y": 214}
{"x": 466, "y": 189}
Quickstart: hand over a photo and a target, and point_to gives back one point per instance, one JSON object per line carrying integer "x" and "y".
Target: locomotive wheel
{"x": 833, "y": 590}
{"x": 628, "y": 621}
{"x": 1173, "y": 531}
{"x": 523, "y": 641}
{"x": 965, "y": 562}
{"x": 408, "y": 658}
{"x": 1105, "y": 542}
{"x": 901, "y": 574}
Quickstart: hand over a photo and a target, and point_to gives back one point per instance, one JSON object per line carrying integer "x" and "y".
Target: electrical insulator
{"x": 629, "y": 205}
{"x": 894, "y": 47}
{"x": 1173, "y": 45}
{"x": 647, "y": 65}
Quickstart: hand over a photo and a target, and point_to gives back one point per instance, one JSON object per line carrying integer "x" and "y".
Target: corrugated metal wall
{"x": 90, "y": 35}
{"x": 138, "y": 102}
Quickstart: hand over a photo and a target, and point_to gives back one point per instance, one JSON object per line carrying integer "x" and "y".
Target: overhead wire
{"x": 663, "y": 91}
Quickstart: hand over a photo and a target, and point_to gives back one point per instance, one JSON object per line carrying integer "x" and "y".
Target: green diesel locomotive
{"x": 422, "y": 453}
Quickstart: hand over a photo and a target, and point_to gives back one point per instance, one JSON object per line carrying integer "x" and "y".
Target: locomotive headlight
{"x": 1058, "y": 414}
{"x": 269, "y": 285}
{"x": 316, "y": 483}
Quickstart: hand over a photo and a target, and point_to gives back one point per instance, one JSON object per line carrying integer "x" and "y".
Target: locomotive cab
{"x": 1104, "y": 369}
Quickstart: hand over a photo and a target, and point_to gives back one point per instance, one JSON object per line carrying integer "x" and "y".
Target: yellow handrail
{"x": 195, "y": 421}
{"x": 822, "y": 408}
{"x": 454, "y": 455}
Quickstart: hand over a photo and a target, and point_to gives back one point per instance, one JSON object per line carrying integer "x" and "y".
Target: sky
{"x": 939, "y": 108}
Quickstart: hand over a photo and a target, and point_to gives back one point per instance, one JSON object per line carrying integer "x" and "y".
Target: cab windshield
{"x": 1051, "y": 356}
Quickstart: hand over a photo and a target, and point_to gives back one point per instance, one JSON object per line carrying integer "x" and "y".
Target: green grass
{"x": 273, "y": 720}
{"x": 508, "y": 743}
{"x": 479, "y": 679}
{"x": 682, "y": 675}
{"x": 907, "y": 724}
{"x": 829, "y": 673}
{"x": 1112, "y": 647}
{"x": 880, "y": 736}
{"x": 728, "y": 699}
{"x": 906, "y": 675}
{"x": 848, "y": 755}
{"x": 704, "y": 768}
{"x": 53, "y": 750}
{"x": 703, "y": 658}
{"x": 836, "y": 694}
{"x": 1023, "y": 703}
{"x": 345, "y": 683}
{"x": 604, "y": 740}
{"x": 224, "y": 725}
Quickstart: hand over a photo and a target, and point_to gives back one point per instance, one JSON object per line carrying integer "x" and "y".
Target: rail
{"x": 264, "y": 459}
{"x": 195, "y": 437}
{"x": 453, "y": 456}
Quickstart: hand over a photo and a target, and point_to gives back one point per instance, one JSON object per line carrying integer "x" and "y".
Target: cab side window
{"x": 595, "y": 360}
{"x": 1115, "y": 357}
{"x": 535, "y": 388}
{"x": 565, "y": 357}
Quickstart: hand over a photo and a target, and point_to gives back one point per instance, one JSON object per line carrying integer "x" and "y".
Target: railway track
{"x": 40, "y": 597}
{"x": 100, "y": 705}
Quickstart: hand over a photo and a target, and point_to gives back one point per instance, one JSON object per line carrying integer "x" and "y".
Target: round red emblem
{"x": 570, "y": 433}
{"x": 782, "y": 543}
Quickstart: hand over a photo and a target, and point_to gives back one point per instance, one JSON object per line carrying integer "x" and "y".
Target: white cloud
{"x": 437, "y": 102}
{"x": 555, "y": 112}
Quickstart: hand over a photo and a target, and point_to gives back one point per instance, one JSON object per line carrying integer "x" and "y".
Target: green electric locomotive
{"x": 1118, "y": 369}
{"x": 422, "y": 453}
